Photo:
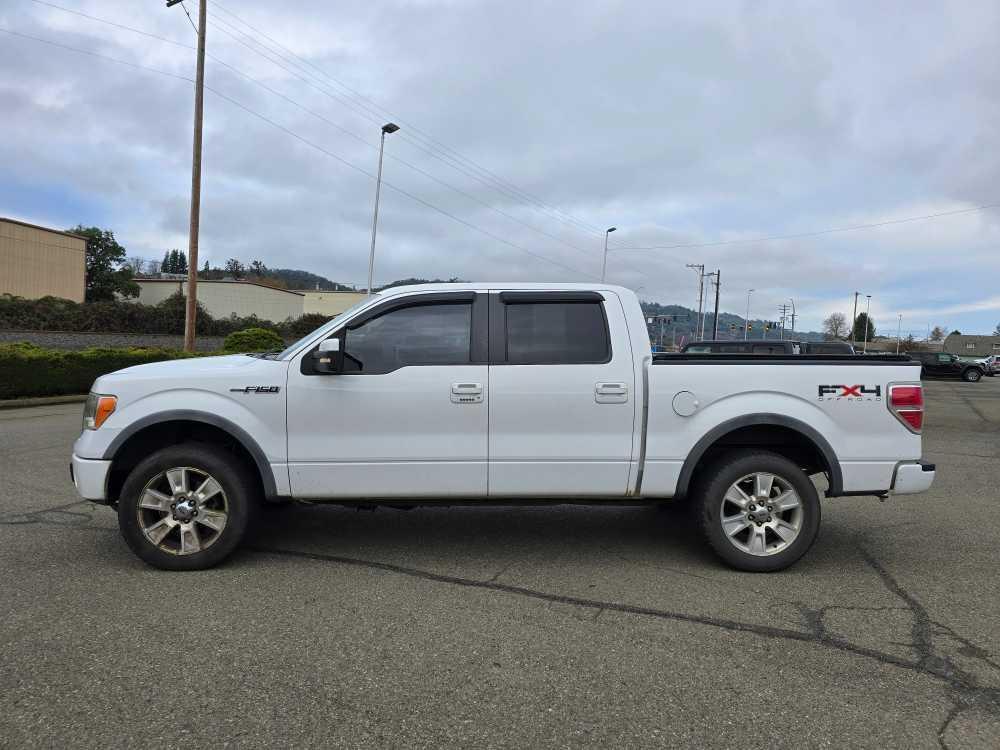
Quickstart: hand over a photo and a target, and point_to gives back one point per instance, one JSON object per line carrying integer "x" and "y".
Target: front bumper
{"x": 90, "y": 477}
{"x": 911, "y": 478}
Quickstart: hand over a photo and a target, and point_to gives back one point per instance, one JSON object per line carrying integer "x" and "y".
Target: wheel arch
{"x": 784, "y": 435}
{"x": 173, "y": 426}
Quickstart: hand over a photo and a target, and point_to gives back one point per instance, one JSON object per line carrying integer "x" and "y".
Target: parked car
{"x": 827, "y": 347}
{"x": 991, "y": 365}
{"x": 944, "y": 365}
{"x": 478, "y": 393}
{"x": 752, "y": 346}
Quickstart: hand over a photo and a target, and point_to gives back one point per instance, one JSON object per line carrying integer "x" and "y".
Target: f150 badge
{"x": 257, "y": 389}
{"x": 850, "y": 392}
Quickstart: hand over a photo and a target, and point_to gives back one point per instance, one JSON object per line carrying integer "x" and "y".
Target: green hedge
{"x": 117, "y": 316}
{"x": 29, "y": 370}
{"x": 253, "y": 340}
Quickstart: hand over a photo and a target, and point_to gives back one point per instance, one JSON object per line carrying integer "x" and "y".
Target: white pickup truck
{"x": 499, "y": 393}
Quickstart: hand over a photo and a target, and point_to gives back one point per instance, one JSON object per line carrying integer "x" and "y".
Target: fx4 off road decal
{"x": 850, "y": 392}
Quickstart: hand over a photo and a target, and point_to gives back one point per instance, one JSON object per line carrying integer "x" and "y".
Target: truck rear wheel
{"x": 971, "y": 375}
{"x": 758, "y": 510}
{"x": 186, "y": 507}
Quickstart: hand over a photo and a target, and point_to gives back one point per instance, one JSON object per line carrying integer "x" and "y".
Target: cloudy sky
{"x": 698, "y": 129}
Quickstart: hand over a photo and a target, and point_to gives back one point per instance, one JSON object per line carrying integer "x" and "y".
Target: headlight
{"x": 97, "y": 410}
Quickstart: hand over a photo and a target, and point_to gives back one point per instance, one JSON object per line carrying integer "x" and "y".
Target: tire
{"x": 787, "y": 534}
{"x": 972, "y": 375}
{"x": 159, "y": 501}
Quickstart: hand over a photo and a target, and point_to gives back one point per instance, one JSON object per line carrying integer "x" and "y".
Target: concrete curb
{"x": 21, "y": 403}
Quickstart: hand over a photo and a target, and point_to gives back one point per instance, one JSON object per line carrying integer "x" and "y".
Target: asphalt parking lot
{"x": 507, "y": 627}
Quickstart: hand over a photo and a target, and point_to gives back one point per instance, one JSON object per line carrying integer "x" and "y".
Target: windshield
{"x": 349, "y": 311}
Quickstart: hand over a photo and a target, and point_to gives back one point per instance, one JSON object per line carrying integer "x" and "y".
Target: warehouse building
{"x": 39, "y": 262}
{"x": 225, "y": 298}
{"x": 972, "y": 346}
{"x": 329, "y": 303}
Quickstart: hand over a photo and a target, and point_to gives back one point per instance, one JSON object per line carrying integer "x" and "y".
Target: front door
{"x": 562, "y": 395}
{"x": 408, "y": 416}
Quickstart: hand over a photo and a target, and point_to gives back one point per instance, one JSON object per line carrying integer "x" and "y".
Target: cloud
{"x": 676, "y": 123}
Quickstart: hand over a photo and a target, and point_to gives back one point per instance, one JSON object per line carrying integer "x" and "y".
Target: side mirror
{"x": 327, "y": 358}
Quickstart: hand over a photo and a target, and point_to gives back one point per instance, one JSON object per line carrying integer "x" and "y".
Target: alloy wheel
{"x": 183, "y": 510}
{"x": 761, "y": 514}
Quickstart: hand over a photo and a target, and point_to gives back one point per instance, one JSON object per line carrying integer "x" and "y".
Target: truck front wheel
{"x": 758, "y": 510}
{"x": 186, "y": 507}
{"x": 971, "y": 375}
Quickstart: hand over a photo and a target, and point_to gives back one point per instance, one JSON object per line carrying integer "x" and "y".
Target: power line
{"x": 811, "y": 234}
{"x": 309, "y": 143}
{"x": 97, "y": 54}
{"x": 445, "y": 150}
{"x": 319, "y": 116}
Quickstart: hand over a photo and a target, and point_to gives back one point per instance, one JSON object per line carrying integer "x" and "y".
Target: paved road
{"x": 555, "y": 627}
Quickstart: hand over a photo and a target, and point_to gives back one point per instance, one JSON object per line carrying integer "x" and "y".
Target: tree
{"x": 257, "y": 268}
{"x": 106, "y": 272}
{"x": 835, "y": 327}
{"x": 937, "y": 333}
{"x": 136, "y": 264}
{"x": 996, "y": 332}
{"x": 165, "y": 265}
{"x": 181, "y": 264}
{"x": 862, "y": 324}
{"x": 956, "y": 333}
{"x": 235, "y": 269}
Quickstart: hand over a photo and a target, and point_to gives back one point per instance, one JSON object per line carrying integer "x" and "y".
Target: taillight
{"x": 906, "y": 402}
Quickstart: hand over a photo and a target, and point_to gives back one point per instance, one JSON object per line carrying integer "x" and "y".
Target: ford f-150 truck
{"x": 503, "y": 393}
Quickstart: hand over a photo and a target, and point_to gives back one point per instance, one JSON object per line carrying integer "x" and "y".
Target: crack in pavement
{"x": 962, "y": 684}
{"x": 963, "y": 689}
{"x": 58, "y": 515}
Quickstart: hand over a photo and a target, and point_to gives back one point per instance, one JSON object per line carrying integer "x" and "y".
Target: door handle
{"x": 466, "y": 393}
{"x": 611, "y": 393}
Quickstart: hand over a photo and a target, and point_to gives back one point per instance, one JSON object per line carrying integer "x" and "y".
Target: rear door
{"x": 561, "y": 394}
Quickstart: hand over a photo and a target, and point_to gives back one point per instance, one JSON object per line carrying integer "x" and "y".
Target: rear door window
{"x": 567, "y": 333}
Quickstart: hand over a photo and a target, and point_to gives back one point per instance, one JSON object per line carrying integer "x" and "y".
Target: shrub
{"x": 29, "y": 370}
{"x": 117, "y": 316}
{"x": 253, "y": 340}
{"x": 304, "y": 324}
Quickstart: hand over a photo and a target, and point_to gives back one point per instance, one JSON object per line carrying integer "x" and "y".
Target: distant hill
{"x": 297, "y": 279}
{"x": 684, "y": 320}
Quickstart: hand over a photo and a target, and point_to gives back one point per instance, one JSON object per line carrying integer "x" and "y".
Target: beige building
{"x": 223, "y": 299}
{"x": 330, "y": 303}
{"x": 38, "y": 262}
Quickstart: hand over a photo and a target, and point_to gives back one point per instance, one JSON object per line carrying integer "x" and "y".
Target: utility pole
{"x": 793, "y": 314}
{"x": 715, "y": 319}
{"x": 899, "y": 330}
{"x": 191, "y": 308}
{"x": 699, "y": 268}
{"x": 746, "y": 320}
{"x": 854, "y": 317}
{"x": 867, "y": 322}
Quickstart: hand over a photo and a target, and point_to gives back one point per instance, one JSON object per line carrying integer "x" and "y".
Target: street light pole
{"x": 899, "y": 330}
{"x": 746, "y": 320}
{"x": 868, "y": 319}
{"x": 793, "y": 314}
{"x": 604, "y": 266}
{"x": 389, "y": 127}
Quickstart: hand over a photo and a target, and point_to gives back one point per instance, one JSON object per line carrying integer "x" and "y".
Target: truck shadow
{"x": 457, "y": 534}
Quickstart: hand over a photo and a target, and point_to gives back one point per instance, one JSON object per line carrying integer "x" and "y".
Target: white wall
{"x": 223, "y": 299}
{"x": 330, "y": 303}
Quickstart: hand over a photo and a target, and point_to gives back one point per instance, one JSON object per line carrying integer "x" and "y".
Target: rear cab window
{"x": 550, "y": 329}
